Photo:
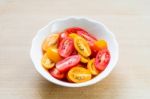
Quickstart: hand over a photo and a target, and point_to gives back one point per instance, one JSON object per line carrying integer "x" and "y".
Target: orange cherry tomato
{"x": 46, "y": 62}
{"x": 84, "y": 59}
{"x": 53, "y": 54}
{"x": 79, "y": 74}
{"x": 50, "y": 41}
{"x": 91, "y": 67}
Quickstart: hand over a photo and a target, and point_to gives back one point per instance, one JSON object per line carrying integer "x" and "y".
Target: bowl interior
{"x": 95, "y": 28}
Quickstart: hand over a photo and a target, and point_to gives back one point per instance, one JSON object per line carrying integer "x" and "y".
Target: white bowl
{"x": 94, "y": 27}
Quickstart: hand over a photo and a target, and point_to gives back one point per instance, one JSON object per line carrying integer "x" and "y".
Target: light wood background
{"x": 128, "y": 19}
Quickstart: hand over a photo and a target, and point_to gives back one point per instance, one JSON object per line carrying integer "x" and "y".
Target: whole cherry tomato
{"x": 56, "y": 73}
{"x": 66, "y": 47}
{"x": 102, "y": 59}
{"x": 67, "y": 63}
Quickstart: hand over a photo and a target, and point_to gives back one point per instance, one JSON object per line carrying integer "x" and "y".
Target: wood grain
{"x": 128, "y": 19}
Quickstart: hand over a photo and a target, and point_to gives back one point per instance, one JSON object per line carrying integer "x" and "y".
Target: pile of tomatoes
{"x": 74, "y": 55}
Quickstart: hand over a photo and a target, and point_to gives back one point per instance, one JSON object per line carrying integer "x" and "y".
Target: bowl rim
{"x": 90, "y": 82}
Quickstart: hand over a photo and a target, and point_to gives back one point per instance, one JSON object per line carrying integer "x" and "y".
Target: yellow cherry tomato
{"x": 101, "y": 44}
{"x": 73, "y": 35}
{"x": 82, "y": 46}
{"x": 84, "y": 59}
{"x": 53, "y": 54}
{"x": 46, "y": 62}
{"x": 50, "y": 41}
{"x": 79, "y": 74}
{"x": 91, "y": 67}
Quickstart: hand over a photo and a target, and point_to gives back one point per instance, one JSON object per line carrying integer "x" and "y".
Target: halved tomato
{"x": 67, "y": 63}
{"x": 46, "y": 62}
{"x": 102, "y": 59}
{"x": 82, "y": 46}
{"x": 62, "y": 36}
{"x": 74, "y": 30}
{"x": 50, "y": 41}
{"x": 91, "y": 67}
{"x": 79, "y": 74}
{"x": 66, "y": 47}
{"x": 53, "y": 54}
{"x": 84, "y": 59}
{"x": 56, "y": 73}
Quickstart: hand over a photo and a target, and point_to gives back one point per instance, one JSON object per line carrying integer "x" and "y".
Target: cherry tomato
{"x": 53, "y": 54}
{"x": 91, "y": 67}
{"x": 46, "y": 62}
{"x": 91, "y": 39}
{"x": 67, "y": 63}
{"x": 62, "y": 36}
{"x": 50, "y": 41}
{"x": 82, "y": 46}
{"x": 74, "y": 30}
{"x": 84, "y": 59}
{"x": 56, "y": 73}
{"x": 99, "y": 45}
{"x": 102, "y": 59}
{"x": 66, "y": 47}
{"x": 79, "y": 74}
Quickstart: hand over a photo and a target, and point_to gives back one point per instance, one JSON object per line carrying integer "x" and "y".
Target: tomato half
{"x": 84, "y": 59}
{"x": 53, "y": 54}
{"x": 79, "y": 74}
{"x": 74, "y": 30}
{"x": 99, "y": 45}
{"x": 82, "y": 46}
{"x": 56, "y": 73}
{"x": 50, "y": 41}
{"x": 66, "y": 47}
{"x": 67, "y": 63}
{"x": 91, "y": 67}
{"x": 46, "y": 62}
{"x": 102, "y": 59}
{"x": 62, "y": 36}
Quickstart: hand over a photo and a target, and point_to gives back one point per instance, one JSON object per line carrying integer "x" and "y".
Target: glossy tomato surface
{"x": 67, "y": 63}
{"x": 56, "y": 73}
{"x": 66, "y": 47}
{"x": 102, "y": 59}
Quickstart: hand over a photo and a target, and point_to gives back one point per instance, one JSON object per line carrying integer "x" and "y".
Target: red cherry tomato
{"x": 66, "y": 47}
{"x": 67, "y": 63}
{"x": 74, "y": 30}
{"x": 102, "y": 59}
{"x": 62, "y": 36}
{"x": 56, "y": 73}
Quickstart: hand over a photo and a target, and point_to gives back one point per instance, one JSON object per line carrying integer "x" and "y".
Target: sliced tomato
{"x": 67, "y": 63}
{"x": 102, "y": 59}
{"x": 84, "y": 59}
{"x": 74, "y": 30}
{"x": 91, "y": 67}
{"x": 79, "y": 74}
{"x": 53, "y": 54}
{"x": 51, "y": 40}
{"x": 46, "y": 62}
{"x": 56, "y": 73}
{"x": 82, "y": 46}
{"x": 66, "y": 47}
{"x": 62, "y": 36}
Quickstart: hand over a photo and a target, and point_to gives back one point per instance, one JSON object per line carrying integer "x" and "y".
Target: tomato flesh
{"x": 74, "y": 30}
{"x": 67, "y": 63}
{"x": 66, "y": 47}
{"x": 56, "y": 73}
{"x": 62, "y": 36}
{"x": 102, "y": 59}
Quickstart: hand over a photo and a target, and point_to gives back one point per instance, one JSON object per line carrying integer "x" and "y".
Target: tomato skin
{"x": 56, "y": 73}
{"x": 66, "y": 47}
{"x": 102, "y": 59}
{"x": 74, "y": 30}
{"x": 53, "y": 54}
{"x": 67, "y": 63}
{"x": 62, "y": 36}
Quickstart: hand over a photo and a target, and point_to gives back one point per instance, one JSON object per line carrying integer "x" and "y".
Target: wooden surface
{"x": 128, "y": 19}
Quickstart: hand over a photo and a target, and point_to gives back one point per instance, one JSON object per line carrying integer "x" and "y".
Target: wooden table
{"x": 128, "y": 19}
